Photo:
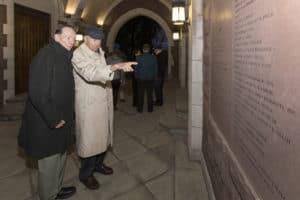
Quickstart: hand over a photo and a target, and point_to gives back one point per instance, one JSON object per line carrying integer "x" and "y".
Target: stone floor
{"x": 149, "y": 158}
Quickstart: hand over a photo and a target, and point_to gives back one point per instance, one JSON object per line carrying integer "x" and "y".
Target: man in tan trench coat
{"x": 93, "y": 105}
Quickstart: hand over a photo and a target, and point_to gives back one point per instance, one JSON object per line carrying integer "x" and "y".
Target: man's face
{"x": 91, "y": 43}
{"x": 66, "y": 38}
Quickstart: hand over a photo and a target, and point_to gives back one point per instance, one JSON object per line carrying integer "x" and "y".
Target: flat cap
{"x": 94, "y": 32}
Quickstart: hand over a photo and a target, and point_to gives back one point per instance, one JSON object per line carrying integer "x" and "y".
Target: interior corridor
{"x": 234, "y": 106}
{"x": 149, "y": 156}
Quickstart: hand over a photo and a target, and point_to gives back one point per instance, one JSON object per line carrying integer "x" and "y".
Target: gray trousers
{"x": 50, "y": 175}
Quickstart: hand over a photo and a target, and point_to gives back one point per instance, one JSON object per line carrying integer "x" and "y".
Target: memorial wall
{"x": 252, "y": 89}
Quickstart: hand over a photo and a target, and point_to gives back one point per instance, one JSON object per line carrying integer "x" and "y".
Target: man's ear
{"x": 57, "y": 37}
{"x": 85, "y": 38}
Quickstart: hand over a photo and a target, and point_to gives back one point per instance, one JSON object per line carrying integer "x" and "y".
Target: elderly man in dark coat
{"x": 48, "y": 117}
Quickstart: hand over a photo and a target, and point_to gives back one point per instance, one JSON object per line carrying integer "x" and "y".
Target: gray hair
{"x": 60, "y": 28}
{"x": 146, "y": 48}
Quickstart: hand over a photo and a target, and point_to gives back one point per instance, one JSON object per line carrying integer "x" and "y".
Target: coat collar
{"x": 90, "y": 52}
{"x": 60, "y": 49}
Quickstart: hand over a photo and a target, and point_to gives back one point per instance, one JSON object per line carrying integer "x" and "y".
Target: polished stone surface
{"x": 150, "y": 161}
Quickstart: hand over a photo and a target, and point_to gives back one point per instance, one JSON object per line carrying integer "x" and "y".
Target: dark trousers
{"x": 115, "y": 87}
{"x": 158, "y": 88}
{"x": 88, "y": 165}
{"x": 145, "y": 86}
{"x": 134, "y": 91}
{"x": 162, "y": 59}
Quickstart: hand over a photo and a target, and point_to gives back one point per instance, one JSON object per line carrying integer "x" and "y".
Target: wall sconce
{"x": 79, "y": 37}
{"x": 78, "y": 40}
{"x": 178, "y": 14}
{"x": 69, "y": 13}
{"x": 71, "y": 7}
{"x": 100, "y": 21}
{"x": 176, "y": 36}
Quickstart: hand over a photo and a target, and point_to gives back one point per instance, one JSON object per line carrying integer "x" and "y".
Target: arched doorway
{"x": 32, "y": 31}
{"x": 123, "y": 19}
{"x": 135, "y": 33}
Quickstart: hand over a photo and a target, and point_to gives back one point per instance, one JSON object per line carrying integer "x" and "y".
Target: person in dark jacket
{"x": 117, "y": 56}
{"x": 160, "y": 45}
{"x": 136, "y": 52}
{"x": 145, "y": 74}
{"x": 162, "y": 59}
{"x": 47, "y": 121}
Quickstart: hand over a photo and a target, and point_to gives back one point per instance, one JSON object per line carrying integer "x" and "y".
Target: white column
{"x": 195, "y": 80}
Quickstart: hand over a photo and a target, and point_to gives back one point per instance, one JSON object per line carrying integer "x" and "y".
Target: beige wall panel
{"x": 254, "y": 95}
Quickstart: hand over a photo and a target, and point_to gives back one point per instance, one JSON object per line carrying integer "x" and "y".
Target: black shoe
{"x": 103, "y": 169}
{"x": 91, "y": 183}
{"x": 66, "y": 192}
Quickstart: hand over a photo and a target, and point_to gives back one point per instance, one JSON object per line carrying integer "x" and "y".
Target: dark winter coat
{"x": 50, "y": 100}
{"x": 147, "y": 67}
{"x": 162, "y": 59}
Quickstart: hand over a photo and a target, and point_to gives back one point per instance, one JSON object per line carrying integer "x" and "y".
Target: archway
{"x": 112, "y": 34}
{"x": 123, "y": 19}
{"x": 135, "y": 33}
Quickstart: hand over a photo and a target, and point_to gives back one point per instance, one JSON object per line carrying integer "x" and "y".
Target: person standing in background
{"x": 136, "y": 52}
{"x": 145, "y": 74}
{"x": 160, "y": 45}
{"x": 117, "y": 56}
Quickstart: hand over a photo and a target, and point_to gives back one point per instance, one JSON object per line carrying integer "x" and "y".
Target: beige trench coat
{"x": 93, "y": 102}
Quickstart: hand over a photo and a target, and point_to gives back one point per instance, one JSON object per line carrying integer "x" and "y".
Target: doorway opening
{"x": 32, "y": 32}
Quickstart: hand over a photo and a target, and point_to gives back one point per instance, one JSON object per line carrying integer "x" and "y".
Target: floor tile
{"x": 16, "y": 187}
{"x": 127, "y": 149}
{"x": 140, "y": 193}
{"x": 114, "y": 185}
{"x": 162, "y": 187}
{"x": 189, "y": 184}
{"x": 182, "y": 157}
{"x": 146, "y": 166}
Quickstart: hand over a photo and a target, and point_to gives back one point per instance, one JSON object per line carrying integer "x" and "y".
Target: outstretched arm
{"x": 125, "y": 66}
{"x": 92, "y": 72}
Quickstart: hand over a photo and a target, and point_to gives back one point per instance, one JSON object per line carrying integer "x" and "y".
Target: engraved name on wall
{"x": 265, "y": 108}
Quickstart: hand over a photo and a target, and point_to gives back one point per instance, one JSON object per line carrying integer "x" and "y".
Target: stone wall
{"x": 3, "y": 43}
{"x": 251, "y": 98}
{"x": 7, "y": 57}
